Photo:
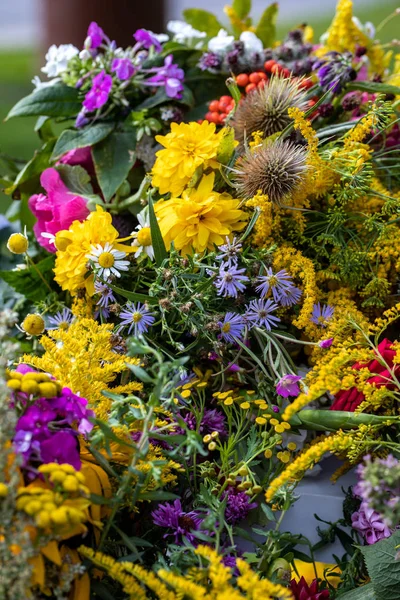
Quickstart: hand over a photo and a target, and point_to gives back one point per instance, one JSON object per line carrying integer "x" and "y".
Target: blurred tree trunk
{"x": 66, "y": 21}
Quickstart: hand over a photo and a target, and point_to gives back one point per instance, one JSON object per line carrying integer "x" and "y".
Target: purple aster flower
{"x": 62, "y": 447}
{"x": 258, "y": 314}
{"x": 106, "y": 298}
{"x": 287, "y": 386}
{"x": 95, "y": 36}
{"x": 238, "y": 506}
{"x": 209, "y": 61}
{"x": 123, "y": 68}
{"x": 321, "y": 315}
{"x": 232, "y": 326}
{"x": 325, "y": 343}
{"x": 61, "y": 320}
{"x": 81, "y": 120}
{"x": 213, "y": 420}
{"x": 279, "y": 283}
{"x": 290, "y": 296}
{"x": 171, "y": 516}
{"x": 147, "y": 38}
{"x": 229, "y": 252}
{"x": 98, "y": 95}
{"x": 230, "y": 280}
{"x": 370, "y": 524}
{"x": 137, "y": 316}
{"x": 170, "y": 76}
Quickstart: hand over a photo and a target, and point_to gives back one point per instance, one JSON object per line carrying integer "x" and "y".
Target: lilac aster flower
{"x": 321, "y": 315}
{"x": 123, "y": 68}
{"x": 325, "y": 343}
{"x": 137, "y": 316}
{"x": 229, "y": 252}
{"x": 61, "y": 320}
{"x": 213, "y": 420}
{"x": 370, "y": 524}
{"x": 279, "y": 283}
{"x": 290, "y": 296}
{"x": 232, "y": 326}
{"x": 171, "y": 516}
{"x": 287, "y": 386}
{"x": 238, "y": 506}
{"x": 258, "y": 314}
{"x": 95, "y": 36}
{"x": 147, "y": 38}
{"x": 230, "y": 280}
{"x": 170, "y": 76}
{"x": 210, "y": 61}
{"x": 98, "y": 95}
{"x": 106, "y": 297}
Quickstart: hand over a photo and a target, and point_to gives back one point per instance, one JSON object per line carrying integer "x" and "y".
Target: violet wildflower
{"x": 170, "y": 76}
{"x": 146, "y": 39}
{"x": 275, "y": 408}
{"x": 182, "y": 524}
{"x": 229, "y": 252}
{"x": 81, "y": 119}
{"x": 212, "y": 420}
{"x": 278, "y": 283}
{"x": 95, "y": 36}
{"x": 137, "y": 316}
{"x": 106, "y": 298}
{"x": 98, "y": 95}
{"x": 290, "y": 296}
{"x": 123, "y": 68}
{"x": 258, "y": 314}
{"x": 326, "y": 343}
{"x": 61, "y": 320}
{"x": 210, "y": 61}
{"x": 238, "y": 506}
{"x": 62, "y": 447}
{"x": 335, "y": 69}
{"x": 370, "y": 524}
{"x": 230, "y": 280}
{"x": 321, "y": 315}
{"x": 232, "y": 327}
{"x": 287, "y": 386}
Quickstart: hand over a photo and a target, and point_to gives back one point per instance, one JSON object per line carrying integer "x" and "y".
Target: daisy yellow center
{"x": 226, "y": 327}
{"x": 106, "y": 260}
{"x": 272, "y": 281}
{"x": 144, "y": 236}
{"x": 136, "y": 317}
{"x": 63, "y": 325}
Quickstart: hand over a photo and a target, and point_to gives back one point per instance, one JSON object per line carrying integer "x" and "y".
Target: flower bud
{"x": 17, "y": 243}
{"x": 33, "y": 324}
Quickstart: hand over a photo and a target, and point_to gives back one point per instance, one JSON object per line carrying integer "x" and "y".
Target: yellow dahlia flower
{"x": 201, "y": 219}
{"x": 74, "y": 246}
{"x": 186, "y": 147}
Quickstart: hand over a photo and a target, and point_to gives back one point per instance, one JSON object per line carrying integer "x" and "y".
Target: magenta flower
{"x": 147, "y": 39}
{"x": 123, "y": 68}
{"x": 171, "y": 516}
{"x": 287, "y": 386}
{"x": 56, "y": 209}
{"x": 81, "y": 157}
{"x": 96, "y": 35}
{"x": 62, "y": 447}
{"x": 325, "y": 343}
{"x": 170, "y": 76}
{"x": 238, "y": 506}
{"x": 98, "y": 95}
{"x": 370, "y": 524}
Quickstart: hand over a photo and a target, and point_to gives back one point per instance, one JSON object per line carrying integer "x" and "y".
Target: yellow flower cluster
{"x": 82, "y": 359}
{"x": 265, "y": 223}
{"x": 32, "y": 383}
{"x": 187, "y": 147}
{"x": 201, "y": 219}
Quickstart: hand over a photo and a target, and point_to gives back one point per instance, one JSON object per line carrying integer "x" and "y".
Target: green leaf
{"x": 158, "y": 495}
{"x": 251, "y": 224}
{"x": 32, "y": 170}
{"x": 266, "y": 29}
{"x": 226, "y": 146}
{"x": 28, "y": 282}
{"x": 44, "y": 129}
{"x": 202, "y": 20}
{"x": 76, "y": 178}
{"x": 160, "y": 253}
{"x": 53, "y": 101}
{"x": 140, "y": 373}
{"x": 373, "y": 87}
{"x": 113, "y": 159}
{"x": 332, "y": 420}
{"x": 241, "y": 8}
{"x": 72, "y": 138}
{"x": 134, "y": 296}
{"x": 366, "y": 592}
{"x": 383, "y": 567}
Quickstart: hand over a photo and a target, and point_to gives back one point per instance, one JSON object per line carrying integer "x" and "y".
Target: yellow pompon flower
{"x": 306, "y": 460}
{"x": 187, "y": 147}
{"x": 201, "y": 219}
{"x": 256, "y": 588}
{"x": 74, "y": 245}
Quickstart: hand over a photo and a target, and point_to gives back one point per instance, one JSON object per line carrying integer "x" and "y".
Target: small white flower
{"x": 57, "y": 59}
{"x": 251, "y": 42}
{"x": 85, "y": 55}
{"x": 367, "y": 28}
{"x": 107, "y": 260}
{"x": 185, "y": 33}
{"x": 221, "y": 42}
{"x": 161, "y": 37}
{"x": 142, "y": 237}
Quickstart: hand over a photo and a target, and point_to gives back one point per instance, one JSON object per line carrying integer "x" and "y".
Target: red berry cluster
{"x": 218, "y": 110}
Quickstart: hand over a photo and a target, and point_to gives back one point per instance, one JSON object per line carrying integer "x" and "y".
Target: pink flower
{"x": 287, "y": 386}
{"x": 370, "y": 524}
{"x": 56, "y": 209}
{"x": 81, "y": 157}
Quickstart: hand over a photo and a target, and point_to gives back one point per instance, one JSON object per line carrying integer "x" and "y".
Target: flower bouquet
{"x": 200, "y": 302}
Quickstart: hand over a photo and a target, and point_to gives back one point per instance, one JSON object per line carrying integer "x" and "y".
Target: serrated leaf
{"x": 113, "y": 159}
{"x": 266, "y": 29}
{"x": 134, "y": 296}
{"x": 54, "y": 101}
{"x": 160, "y": 253}
{"x": 76, "y": 178}
{"x": 241, "y": 8}
{"x": 202, "y": 20}
{"x": 366, "y": 592}
{"x": 28, "y": 281}
{"x": 72, "y": 138}
{"x": 383, "y": 568}
{"x": 226, "y": 146}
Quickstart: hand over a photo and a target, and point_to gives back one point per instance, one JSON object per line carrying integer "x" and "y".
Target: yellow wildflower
{"x": 187, "y": 147}
{"x": 33, "y": 324}
{"x": 17, "y": 243}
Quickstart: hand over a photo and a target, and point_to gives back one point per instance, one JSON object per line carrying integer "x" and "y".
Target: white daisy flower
{"x": 107, "y": 260}
{"x": 57, "y": 59}
{"x": 142, "y": 237}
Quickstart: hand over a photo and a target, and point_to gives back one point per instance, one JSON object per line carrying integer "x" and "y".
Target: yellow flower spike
{"x": 17, "y": 243}
{"x": 33, "y": 324}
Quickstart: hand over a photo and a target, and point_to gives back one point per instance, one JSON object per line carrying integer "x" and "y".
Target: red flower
{"x": 302, "y": 591}
{"x": 350, "y": 399}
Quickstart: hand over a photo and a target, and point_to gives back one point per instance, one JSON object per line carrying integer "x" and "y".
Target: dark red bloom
{"x": 302, "y": 591}
{"x": 350, "y": 399}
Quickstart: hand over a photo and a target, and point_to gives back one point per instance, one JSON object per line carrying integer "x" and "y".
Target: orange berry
{"x": 214, "y": 106}
{"x": 262, "y": 75}
{"x": 214, "y": 117}
{"x": 261, "y": 83}
{"x": 250, "y": 87}
{"x": 285, "y": 72}
{"x": 208, "y": 116}
{"x": 223, "y": 104}
{"x": 242, "y": 80}
{"x": 254, "y": 78}
{"x": 276, "y": 69}
{"x": 268, "y": 65}
{"x": 222, "y": 118}
{"x": 226, "y": 99}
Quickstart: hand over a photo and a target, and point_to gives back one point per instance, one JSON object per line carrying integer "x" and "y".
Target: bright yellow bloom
{"x": 187, "y": 147}
{"x": 318, "y": 569}
{"x": 201, "y": 219}
{"x": 74, "y": 245}
{"x": 17, "y": 243}
{"x": 33, "y": 324}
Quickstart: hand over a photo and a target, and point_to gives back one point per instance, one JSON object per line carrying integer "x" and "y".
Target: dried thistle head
{"x": 275, "y": 169}
{"x": 266, "y": 109}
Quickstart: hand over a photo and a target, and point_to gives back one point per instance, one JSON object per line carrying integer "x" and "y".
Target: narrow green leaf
{"x": 251, "y": 224}
{"x": 72, "y": 138}
{"x": 160, "y": 253}
{"x": 266, "y": 29}
{"x": 332, "y": 420}
{"x": 140, "y": 373}
{"x": 113, "y": 159}
{"x": 54, "y": 101}
{"x": 133, "y": 296}
{"x": 373, "y": 87}
{"x": 202, "y": 20}
{"x": 28, "y": 281}
{"x": 241, "y": 8}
